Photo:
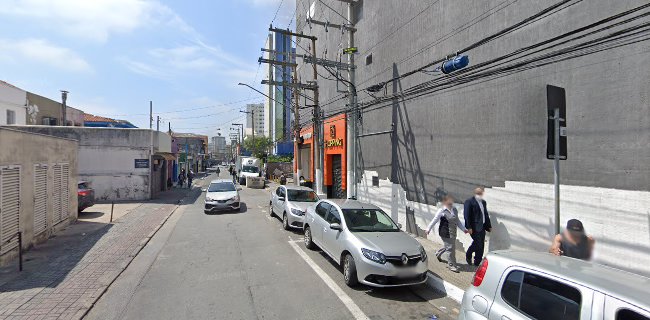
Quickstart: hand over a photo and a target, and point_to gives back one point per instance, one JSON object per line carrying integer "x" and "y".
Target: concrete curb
{"x": 126, "y": 264}
{"x": 438, "y": 284}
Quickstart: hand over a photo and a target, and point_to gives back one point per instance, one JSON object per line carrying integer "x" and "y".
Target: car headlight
{"x": 374, "y": 255}
{"x": 423, "y": 253}
{"x": 235, "y": 198}
{"x": 298, "y": 212}
{"x": 207, "y": 199}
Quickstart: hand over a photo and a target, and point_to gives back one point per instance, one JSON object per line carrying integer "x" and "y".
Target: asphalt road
{"x": 244, "y": 266}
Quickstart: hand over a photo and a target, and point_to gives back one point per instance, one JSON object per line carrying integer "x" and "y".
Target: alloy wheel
{"x": 346, "y": 269}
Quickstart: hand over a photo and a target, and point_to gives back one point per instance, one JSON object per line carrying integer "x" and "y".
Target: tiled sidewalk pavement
{"x": 460, "y": 280}
{"x": 64, "y": 276}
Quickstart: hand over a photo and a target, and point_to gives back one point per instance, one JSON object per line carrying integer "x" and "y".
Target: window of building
{"x": 369, "y": 59}
{"x": 11, "y": 117}
{"x": 626, "y": 314}
{"x": 49, "y": 121}
{"x": 532, "y": 294}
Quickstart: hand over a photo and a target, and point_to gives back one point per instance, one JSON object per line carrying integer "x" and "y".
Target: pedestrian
{"x": 477, "y": 222}
{"x": 573, "y": 242}
{"x": 233, "y": 173}
{"x": 449, "y": 221}
{"x": 190, "y": 176}
{"x": 218, "y": 171}
{"x": 181, "y": 178}
{"x": 283, "y": 179}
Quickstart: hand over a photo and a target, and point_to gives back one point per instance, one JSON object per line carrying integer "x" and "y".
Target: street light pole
{"x": 252, "y": 113}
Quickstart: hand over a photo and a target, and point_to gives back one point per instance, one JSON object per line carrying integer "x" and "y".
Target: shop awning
{"x": 165, "y": 155}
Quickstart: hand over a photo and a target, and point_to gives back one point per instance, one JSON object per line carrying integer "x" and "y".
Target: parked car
{"x": 528, "y": 285}
{"x": 366, "y": 242}
{"x": 290, "y": 204}
{"x": 85, "y": 195}
{"x": 222, "y": 194}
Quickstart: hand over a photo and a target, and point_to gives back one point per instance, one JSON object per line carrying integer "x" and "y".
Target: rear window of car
{"x": 626, "y": 314}
{"x": 83, "y": 185}
{"x": 541, "y": 298}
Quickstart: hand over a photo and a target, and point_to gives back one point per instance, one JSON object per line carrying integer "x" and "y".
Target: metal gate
{"x": 9, "y": 207}
{"x": 61, "y": 196}
{"x": 337, "y": 177}
{"x": 40, "y": 198}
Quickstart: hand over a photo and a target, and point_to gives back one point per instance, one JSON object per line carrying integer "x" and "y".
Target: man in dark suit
{"x": 477, "y": 222}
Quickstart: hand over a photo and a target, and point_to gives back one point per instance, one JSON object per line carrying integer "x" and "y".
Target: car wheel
{"x": 350, "y": 271}
{"x": 309, "y": 244}
{"x": 271, "y": 213}
{"x": 285, "y": 222}
{"x": 206, "y": 211}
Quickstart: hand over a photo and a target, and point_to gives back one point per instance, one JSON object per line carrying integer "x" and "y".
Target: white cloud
{"x": 93, "y": 20}
{"x": 43, "y": 52}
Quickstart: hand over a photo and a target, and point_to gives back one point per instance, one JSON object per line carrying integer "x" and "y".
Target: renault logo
{"x": 405, "y": 259}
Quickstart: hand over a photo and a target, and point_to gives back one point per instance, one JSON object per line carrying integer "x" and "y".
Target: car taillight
{"x": 480, "y": 273}
{"x": 83, "y": 193}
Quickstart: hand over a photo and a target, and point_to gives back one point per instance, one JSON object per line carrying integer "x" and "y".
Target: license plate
{"x": 406, "y": 273}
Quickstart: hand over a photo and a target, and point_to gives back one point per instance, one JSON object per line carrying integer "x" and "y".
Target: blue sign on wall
{"x": 141, "y": 163}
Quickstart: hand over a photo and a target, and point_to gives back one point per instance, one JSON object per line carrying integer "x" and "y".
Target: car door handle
{"x": 505, "y": 318}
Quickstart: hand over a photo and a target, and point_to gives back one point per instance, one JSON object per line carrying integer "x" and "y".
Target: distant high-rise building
{"x": 255, "y": 115}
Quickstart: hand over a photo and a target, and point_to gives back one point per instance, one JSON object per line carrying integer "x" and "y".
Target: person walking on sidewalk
{"x": 218, "y": 171}
{"x": 573, "y": 242}
{"x": 181, "y": 178}
{"x": 190, "y": 176}
{"x": 477, "y": 222}
{"x": 449, "y": 221}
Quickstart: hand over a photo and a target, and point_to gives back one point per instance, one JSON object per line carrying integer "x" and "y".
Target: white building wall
{"x": 14, "y": 99}
{"x": 522, "y": 217}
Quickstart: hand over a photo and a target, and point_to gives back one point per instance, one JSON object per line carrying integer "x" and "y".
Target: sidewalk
{"x": 65, "y": 275}
{"x": 442, "y": 279}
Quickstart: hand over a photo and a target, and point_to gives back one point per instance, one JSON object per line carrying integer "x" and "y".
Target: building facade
{"x": 117, "y": 162}
{"x": 192, "y": 151}
{"x": 38, "y": 188}
{"x": 255, "y": 119}
{"x": 218, "y": 150}
{"x": 45, "y": 111}
{"x": 13, "y": 104}
{"x": 424, "y": 134}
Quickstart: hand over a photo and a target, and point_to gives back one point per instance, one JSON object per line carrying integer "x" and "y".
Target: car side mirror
{"x": 280, "y": 198}
{"x": 336, "y": 226}
{"x": 399, "y": 225}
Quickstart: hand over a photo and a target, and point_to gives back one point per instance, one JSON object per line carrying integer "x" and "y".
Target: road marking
{"x": 347, "y": 301}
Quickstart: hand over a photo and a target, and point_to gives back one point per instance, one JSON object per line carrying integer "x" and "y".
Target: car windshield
{"x": 221, "y": 187}
{"x": 368, "y": 220}
{"x": 251, "y": 169}
{"x": 302, "y": 195}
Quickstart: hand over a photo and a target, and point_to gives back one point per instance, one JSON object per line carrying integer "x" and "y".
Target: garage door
{"x": 9, "y": 207}
{"x": 61, "y": 196}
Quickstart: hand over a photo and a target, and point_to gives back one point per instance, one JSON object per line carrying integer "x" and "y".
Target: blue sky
{"x": 116, "y": 55}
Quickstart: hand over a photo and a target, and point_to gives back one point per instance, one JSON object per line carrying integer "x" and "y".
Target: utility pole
{"x": 150, "y": 149}
{"x": 252, "y": 113}
{"x": 296, "y": 135}
{"x": 352, "y": 114}
{"x": 64, "y": 107}
{"x": 157, "y": 123}
{"x": 318, "y": 141}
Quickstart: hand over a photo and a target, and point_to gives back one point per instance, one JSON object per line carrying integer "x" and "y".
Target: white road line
{"x": 347, "y": 301}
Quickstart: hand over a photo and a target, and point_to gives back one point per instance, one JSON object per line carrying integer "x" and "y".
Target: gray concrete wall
{"x": 25, "y": 150}
{"x": 486, "y": 133}
{"x": 107, "y": 158}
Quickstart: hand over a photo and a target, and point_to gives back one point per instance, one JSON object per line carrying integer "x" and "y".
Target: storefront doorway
{"x": 336, "y": 190}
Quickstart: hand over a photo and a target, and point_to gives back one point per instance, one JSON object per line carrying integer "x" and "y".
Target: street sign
{"x": 141, "y": 163}
{"x": 556, "y": 99}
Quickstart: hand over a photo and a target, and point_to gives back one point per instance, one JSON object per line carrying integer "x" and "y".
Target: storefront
{"x": 335, "y": 146}
{"x": 306, "y": 150}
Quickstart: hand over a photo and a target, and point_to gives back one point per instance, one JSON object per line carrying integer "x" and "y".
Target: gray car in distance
{"x": 510, "y": 285}
{"x": 290, "y": 203}
{"x": 366, "y": 242}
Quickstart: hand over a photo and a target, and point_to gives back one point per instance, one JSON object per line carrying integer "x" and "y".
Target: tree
{"x": 258, "y": 146}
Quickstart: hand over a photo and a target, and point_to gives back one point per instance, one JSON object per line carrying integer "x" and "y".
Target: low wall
{"x": 275, "y": 169}
{"x": 522, "y": 217}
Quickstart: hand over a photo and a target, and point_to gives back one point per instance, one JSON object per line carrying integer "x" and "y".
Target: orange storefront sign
{"x": 334, "y": 136}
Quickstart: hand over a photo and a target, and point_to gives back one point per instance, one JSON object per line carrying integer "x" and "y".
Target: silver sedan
{"x": 290, "y": 203}
{"x": 366, "y": 242}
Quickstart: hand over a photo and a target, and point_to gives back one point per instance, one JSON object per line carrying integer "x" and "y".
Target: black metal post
{"x": 112, "y": 205}
{"x": 20, "y": 251}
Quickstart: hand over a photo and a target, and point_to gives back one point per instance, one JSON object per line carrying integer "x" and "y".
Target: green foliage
{"x": 274, "y": 158}
{"x": 258, "y": 146}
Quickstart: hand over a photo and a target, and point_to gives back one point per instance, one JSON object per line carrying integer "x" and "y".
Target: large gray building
{"x": 487, "y": 124}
